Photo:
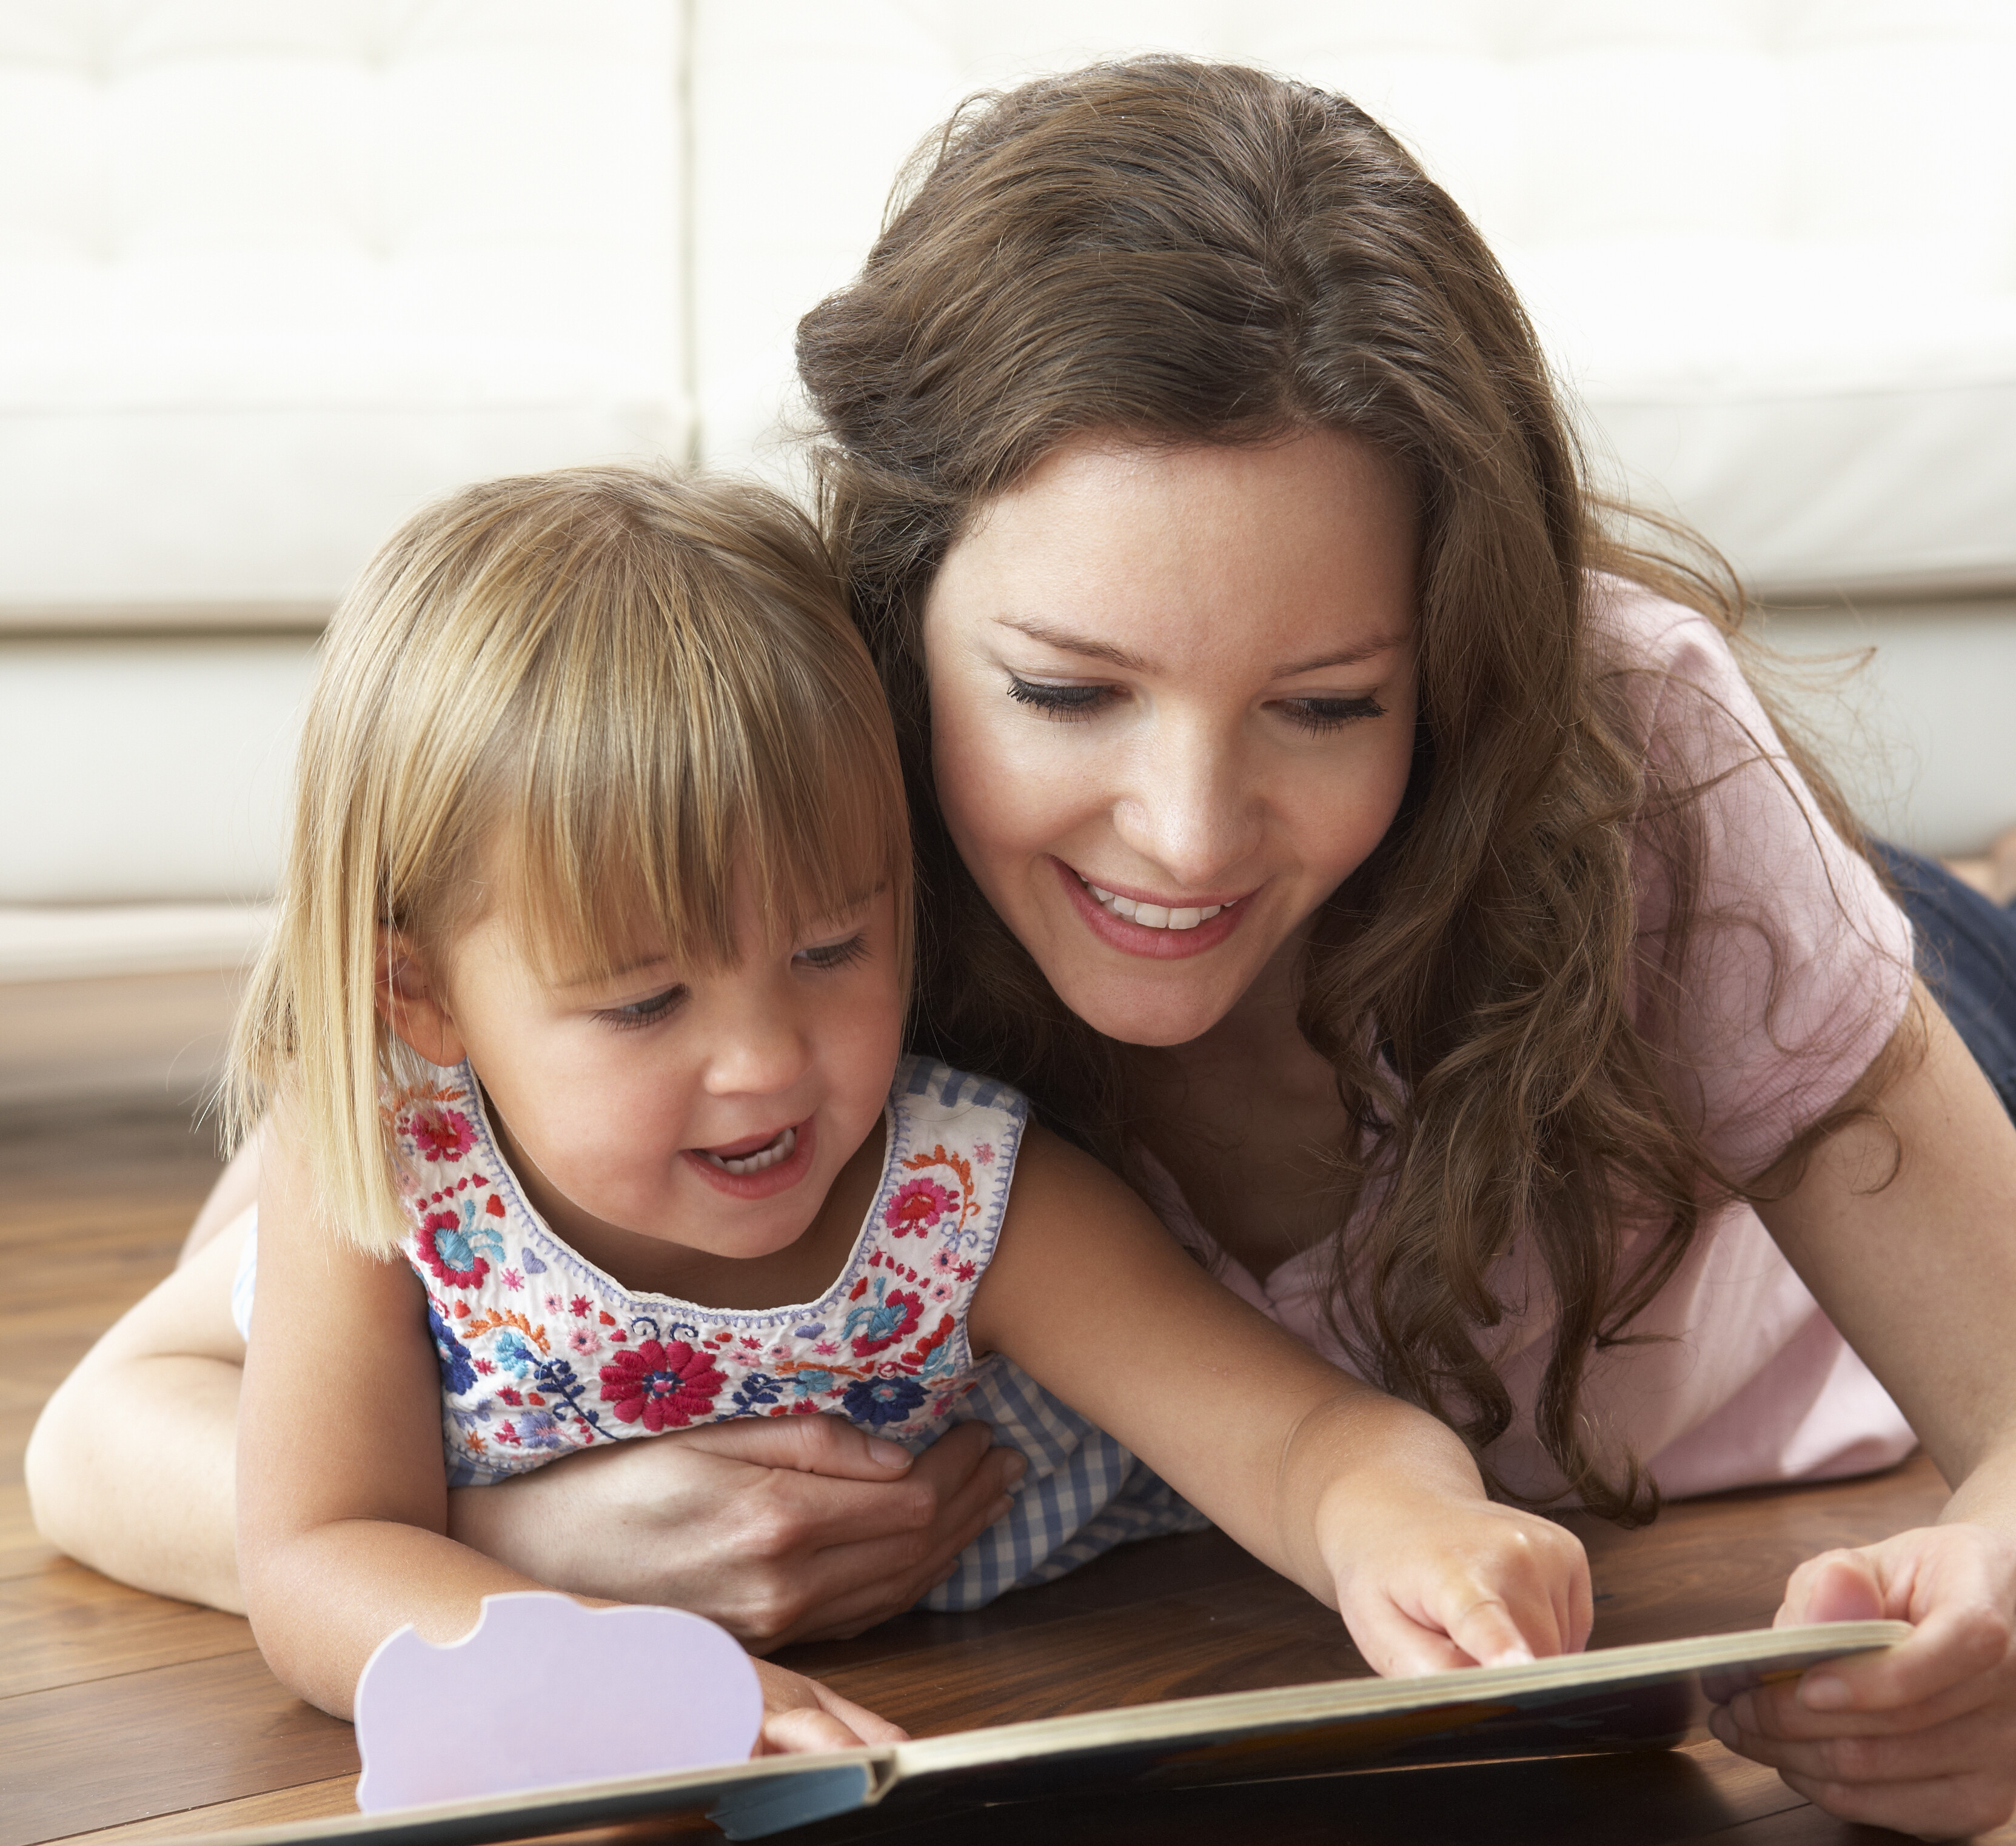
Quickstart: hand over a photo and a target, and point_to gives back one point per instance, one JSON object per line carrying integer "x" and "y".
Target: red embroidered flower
{"x": 983, "y": 1153}
{"x": 661, "y": 1387}
{"x": 445, "y": 1250}
{"x": 440, "y": 1134}
{"x": 917, "y": 1206}
{"x": 883, "y": 1322}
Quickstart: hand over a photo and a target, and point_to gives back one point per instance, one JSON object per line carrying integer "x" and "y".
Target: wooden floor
{"x": 123, "y": 1717}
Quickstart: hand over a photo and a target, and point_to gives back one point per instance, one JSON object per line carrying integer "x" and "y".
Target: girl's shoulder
{"x": 927, "y": 1091}
{"x": 953, "y": 1139}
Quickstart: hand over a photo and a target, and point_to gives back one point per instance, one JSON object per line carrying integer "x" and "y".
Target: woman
{"x": 1330, "y": 826}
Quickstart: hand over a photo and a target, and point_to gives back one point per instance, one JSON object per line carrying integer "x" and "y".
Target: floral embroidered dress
{"x": 542, "y": 1353}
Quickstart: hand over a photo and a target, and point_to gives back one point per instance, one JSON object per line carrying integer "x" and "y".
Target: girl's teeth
{"x": 1153, "y": 916}
{"x": 782, "y": 1149}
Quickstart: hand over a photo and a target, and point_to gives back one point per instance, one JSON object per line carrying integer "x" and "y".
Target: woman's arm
{"x": 1373, "y": 1506}
{"x": 1920, "y": 1275}
{"x": 343, "y": 1500}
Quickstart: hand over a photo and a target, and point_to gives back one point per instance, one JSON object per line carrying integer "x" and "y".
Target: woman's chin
{"x": 1150, "y": 1012}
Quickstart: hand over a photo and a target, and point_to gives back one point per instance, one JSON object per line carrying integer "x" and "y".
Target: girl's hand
{"x": 800, "y": 1715}
{"x": 783, "y": 1529}
{"x": 1435, "y": 1580}
{"x": 1921, "y": 1737}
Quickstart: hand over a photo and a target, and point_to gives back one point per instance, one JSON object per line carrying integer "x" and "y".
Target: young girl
{"x": 583, "y": 1021}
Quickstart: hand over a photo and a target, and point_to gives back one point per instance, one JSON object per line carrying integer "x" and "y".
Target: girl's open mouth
{"x": 757, "y": 1166}
{"x": 780, "y": 1146}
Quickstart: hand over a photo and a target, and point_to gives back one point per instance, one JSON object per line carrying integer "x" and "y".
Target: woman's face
{"x": 1172, "y": 707}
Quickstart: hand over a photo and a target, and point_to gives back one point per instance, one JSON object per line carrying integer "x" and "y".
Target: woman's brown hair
{"x": 1179, "y": 252}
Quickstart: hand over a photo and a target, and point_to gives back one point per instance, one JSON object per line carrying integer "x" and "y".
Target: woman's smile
{"x": 1162, "y": 926}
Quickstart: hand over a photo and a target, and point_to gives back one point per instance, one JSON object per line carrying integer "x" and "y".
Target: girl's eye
{"x": 1319, "y": 715}
{"x": 643, "y": 1012}
{"x": 1057, "y": 701}
{"x": 829, "y": 955}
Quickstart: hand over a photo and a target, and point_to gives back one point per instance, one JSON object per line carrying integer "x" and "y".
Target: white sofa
{"x": 273, "y": 272}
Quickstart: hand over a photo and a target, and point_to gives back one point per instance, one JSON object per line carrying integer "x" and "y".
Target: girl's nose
{"x": 1189, "y": 805}
{"x": 758, "y": 1049}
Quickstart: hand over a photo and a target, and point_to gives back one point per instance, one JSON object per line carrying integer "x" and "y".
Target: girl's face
{"x": 711, "y": 1111}
{"x": 1172, "y": 708}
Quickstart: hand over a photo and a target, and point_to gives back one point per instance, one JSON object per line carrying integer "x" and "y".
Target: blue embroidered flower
{"x": 757, "y": 1387}
{"x": 812, "y": 1384}
{"x": 515, "y": 1353}
{"x": 458, "y": 1374}
{"x": 877, "y": 1401}
{"x": 538, "y": 1429}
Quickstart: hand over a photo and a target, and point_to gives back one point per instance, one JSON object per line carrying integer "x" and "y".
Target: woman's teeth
{"x": 1153, "y": 916}
{"x": 782, "y": 1149}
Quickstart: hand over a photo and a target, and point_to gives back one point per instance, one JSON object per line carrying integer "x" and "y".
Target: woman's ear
{"x": 414, "y": 1003}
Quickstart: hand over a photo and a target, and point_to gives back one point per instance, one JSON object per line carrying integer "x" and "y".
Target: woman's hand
{"x": 1430, "y": 1580}
{"x": 1921, "y": 1737}
{"x": 794, "y": 1528}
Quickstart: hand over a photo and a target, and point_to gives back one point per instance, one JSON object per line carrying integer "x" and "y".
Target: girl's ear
{"x": 414, "y": 1003}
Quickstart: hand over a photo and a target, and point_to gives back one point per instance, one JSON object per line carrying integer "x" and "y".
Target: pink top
{"x": 1755, "y": 1385}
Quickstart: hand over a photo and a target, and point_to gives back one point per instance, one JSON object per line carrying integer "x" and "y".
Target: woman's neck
{"x": 1249, "y": 1111}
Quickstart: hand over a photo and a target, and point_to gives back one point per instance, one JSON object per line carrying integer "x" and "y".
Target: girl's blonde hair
{"x": 606, "y": 698}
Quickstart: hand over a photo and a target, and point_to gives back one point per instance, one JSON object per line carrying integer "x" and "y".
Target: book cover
{"x": 1609, "y": 1698}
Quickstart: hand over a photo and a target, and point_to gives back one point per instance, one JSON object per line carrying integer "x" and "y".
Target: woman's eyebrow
{"x": 1071, "y": 644}
{"x": 1348, "y": 656}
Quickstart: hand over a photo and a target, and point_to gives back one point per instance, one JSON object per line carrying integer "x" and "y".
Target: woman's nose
{"x": 1189, "y": 807}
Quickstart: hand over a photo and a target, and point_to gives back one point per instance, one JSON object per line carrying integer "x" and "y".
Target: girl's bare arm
{"x": 130, "y": 1466}
{"x": 1373, "y": 1506}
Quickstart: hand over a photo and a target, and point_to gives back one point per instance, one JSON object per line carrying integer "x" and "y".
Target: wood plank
{"x": 310, "y": 1801}
{"x": 157, "y": 1742}
{"x": 65, "y": 1625}
{"x": 1713, "y": 1566}
{"x": 22, "y": 1549}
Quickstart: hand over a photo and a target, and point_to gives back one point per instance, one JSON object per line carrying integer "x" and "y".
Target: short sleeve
{"x": 1796, "y": 968}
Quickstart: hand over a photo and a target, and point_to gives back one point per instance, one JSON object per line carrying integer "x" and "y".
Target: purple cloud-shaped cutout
{"x": 542, "y": 1692}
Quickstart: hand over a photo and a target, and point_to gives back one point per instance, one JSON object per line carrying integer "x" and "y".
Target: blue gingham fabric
{"x": 1083, "y": 1495}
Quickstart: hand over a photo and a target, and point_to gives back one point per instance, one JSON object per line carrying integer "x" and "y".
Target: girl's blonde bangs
{"x": 719, "y": 751}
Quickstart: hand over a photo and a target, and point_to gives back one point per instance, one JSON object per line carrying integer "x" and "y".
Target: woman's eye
{"x": 1057, "y": 701}
{"x": 643, "y": 1012}
{"x": 1330, "y": 715}
{"x": 836, "y": 955}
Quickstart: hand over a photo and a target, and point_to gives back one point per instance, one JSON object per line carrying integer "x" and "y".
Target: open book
{"x": 1619, "y": 1698}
